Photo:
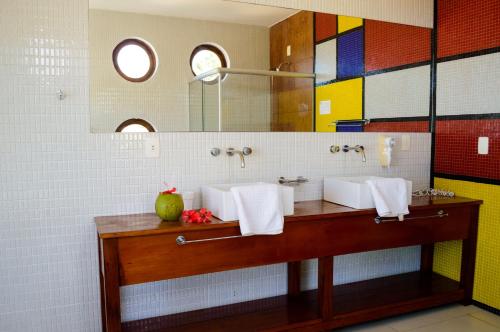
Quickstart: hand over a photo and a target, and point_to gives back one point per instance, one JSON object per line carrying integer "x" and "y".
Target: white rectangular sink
{"x": 219, "y": 199}
{"x": 353, "y": 191}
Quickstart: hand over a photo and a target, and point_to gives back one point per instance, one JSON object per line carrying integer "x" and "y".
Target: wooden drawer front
{"x": 366, "y": 235}
{"x": 158, "y": 257}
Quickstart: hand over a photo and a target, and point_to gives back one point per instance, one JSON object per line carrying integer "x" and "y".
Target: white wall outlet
{"x": 152, "y": 147}
{"x": 325, "y": 107}
{"x": 289, "y": 50}
{"x": 405, "y": 142}
{"x": 483, "y": 145}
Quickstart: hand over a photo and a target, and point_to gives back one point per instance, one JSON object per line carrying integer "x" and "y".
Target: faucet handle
{"x": 247, "y": 151}
{"x": 215, "y": 152}
{"x": 334, "y": 148}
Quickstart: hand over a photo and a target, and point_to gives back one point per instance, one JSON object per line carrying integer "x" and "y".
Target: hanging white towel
{"x": 260, "y": 209}
{"x": 390, "y": 197}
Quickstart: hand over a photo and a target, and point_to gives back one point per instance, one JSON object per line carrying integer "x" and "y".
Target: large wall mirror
{"x": 217, "y": 65}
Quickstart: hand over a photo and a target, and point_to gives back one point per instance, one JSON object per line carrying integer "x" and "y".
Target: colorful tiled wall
{"x": 373, "y": 70}
{"x": 467, "y": 108}
{"x": 382, "y": 71}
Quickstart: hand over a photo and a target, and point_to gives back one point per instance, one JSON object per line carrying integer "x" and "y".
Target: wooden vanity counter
{"x": 141, "y": 248}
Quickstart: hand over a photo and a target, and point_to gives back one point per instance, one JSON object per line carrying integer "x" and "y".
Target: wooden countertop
{"x": 149, "y": 223}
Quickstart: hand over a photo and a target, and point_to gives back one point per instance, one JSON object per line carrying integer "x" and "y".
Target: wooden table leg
{"x": 293, "y": 272}
{"x": 325, "y": 286}
{"x": 468, "y": 267}
{"x": 427, "y": 259}
{"x": 111, "y": 285}
{"x": 101, "y": 285}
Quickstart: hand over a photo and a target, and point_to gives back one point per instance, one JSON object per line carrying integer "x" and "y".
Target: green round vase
{"x": 169, "y": 207}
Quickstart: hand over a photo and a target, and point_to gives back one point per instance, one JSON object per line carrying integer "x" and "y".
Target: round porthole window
{"x": 135, "y": 126}
{"x": 134, "y": 60}
{"x": 206, "y": 57}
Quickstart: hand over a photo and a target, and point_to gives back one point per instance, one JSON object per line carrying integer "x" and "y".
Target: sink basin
{"x": 219, "y": 199}
{"x": 353, "y": 191}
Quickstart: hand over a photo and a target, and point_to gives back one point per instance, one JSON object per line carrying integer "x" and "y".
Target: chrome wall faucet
{"x": 292, "y": 182}
{"x": 245, "y": 152}
{"x": 357, "y": 148}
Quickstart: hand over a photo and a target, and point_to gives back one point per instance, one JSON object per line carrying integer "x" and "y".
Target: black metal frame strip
{"x": 363, "y": 89}
{"x": 432, "y": 106}
{"x": 343, "y": 79}
{"x": 338, "y": 34}
{"x": 486, "y": 307}
{"x": 314, "y": 70}
{"x": 467, "y": 178}
{"x": 401, "y": 119}
{"x": 469, "y": 54}
{"x": 402, "y": 67}
{"x": 484, "y": 116}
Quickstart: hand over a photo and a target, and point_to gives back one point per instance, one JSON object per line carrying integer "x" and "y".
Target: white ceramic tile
{"x": 401, "y": 93}
{"x": 487, "y": 317}
{"x": 56, "y": 177}
{"x": 461, "y": 324}
{"x": 326, "y": 61}
{"x": 369, "y": 327}
{"x": 477, "y": 94}
{"x": 453, "y": 317}
{"x": 416, "y": 320}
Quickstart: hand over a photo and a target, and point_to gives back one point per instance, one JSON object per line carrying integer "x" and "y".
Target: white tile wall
{"x": 326, "y": 61}
{"x": 55, "y": 177}
{"x": 477, "y": 94}
{"x": 401, "y": 93}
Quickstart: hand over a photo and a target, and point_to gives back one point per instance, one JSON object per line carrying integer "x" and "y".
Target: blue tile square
{"x": 351, "y": 127}
{"x": 350, "y": 54}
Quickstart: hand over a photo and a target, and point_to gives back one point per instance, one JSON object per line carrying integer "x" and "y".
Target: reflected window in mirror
{"x": 134, "y": 60}
{"x": 206, "y": 57}
{"x": 135, "y": 126}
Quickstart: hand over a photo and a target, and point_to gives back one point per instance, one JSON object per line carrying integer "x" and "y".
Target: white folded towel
{"x": 260, "y": 209}
{"x": 390, "y": 197}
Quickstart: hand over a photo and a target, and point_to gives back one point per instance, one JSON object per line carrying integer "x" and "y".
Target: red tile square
{"x": 326, "y": 26}
{"x": 466, "y": 26}
{"x": 456, "y": 148}
{"x": 390, "y": 44}
{"x": 400, "y": 126}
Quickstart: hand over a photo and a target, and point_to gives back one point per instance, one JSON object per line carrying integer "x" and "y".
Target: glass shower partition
{"x": 251, "y": 100}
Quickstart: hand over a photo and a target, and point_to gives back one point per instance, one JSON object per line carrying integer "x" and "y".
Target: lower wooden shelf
{"x": 352, "y": 303}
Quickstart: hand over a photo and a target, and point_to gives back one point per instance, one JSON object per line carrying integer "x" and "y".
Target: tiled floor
{"x": 452, "y": 318}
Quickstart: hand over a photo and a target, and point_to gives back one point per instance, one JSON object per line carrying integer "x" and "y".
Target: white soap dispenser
{"x": 385, "y": 147}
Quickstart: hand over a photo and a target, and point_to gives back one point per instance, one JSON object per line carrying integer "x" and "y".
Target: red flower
{"x": 197, "y": 217}
{"x": 169, "y": 191}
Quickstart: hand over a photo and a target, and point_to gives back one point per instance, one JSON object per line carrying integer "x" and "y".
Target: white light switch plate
{"x": 289, "y": 50}
{"x": 152, "y": 147}
{"x": 483, "y": 145}
{"x": 325, "y": 107}
{"x": 405, "y": 143}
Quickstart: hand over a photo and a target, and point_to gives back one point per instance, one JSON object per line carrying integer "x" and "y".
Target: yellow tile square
{"x": 346, "y": 100}
{"x": 348, "y": 23}
{"x": 447, "y": 255}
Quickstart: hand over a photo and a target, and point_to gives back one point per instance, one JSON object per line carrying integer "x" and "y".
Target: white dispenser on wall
{"x": 385, "y": 148}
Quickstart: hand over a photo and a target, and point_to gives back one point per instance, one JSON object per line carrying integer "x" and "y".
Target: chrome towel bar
{"x": 440, "y": 214}
{"x": 181, "y": 240}
{"x": 350, "y": 123}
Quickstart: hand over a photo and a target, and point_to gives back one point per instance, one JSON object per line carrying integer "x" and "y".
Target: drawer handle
{"x": 440, "y": 214}
{"x": 181, "y": 240}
